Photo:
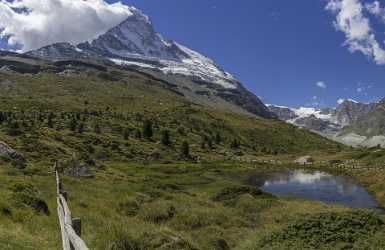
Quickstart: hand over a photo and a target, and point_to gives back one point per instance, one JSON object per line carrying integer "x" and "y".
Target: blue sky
{"x": 279, "y": 49}
{"x": 287, "y": 52}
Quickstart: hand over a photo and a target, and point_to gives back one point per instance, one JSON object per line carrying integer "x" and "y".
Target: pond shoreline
{"x": 331, "y": 181}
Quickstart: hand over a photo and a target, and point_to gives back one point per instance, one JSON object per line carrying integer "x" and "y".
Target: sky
{"x": 290, "y": 53}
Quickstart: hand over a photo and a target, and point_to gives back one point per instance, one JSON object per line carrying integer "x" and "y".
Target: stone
{"x": 81, "y": 170}
{"x": 8, "y": 152}
{"x": 304, "y": 160}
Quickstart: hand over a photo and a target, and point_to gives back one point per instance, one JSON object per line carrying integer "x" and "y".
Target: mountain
{"x": 351, "y": 122}
{"x": 134, "y": 44}
{"x": 349, "y": 111}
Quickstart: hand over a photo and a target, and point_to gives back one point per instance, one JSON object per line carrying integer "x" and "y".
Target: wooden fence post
{"x": 70, "y": 228}
{"x": 77, "y": 225}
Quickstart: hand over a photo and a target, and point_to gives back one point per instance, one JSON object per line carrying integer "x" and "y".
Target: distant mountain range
{"x": 134, "y": 44}
{"x": 351, "y": 122}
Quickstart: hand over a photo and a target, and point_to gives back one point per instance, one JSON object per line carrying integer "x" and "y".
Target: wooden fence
{"x": 70, "y": 228}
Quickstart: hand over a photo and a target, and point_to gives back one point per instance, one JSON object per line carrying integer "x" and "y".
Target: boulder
{"x": 8, "y": 152}
{"x": 304, "y": 160}
{"x": 79, "y": 170}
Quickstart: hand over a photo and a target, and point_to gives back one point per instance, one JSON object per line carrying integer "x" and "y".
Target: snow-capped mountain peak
{"x": 136, "y": 40}
{"x": 135, "y": 45}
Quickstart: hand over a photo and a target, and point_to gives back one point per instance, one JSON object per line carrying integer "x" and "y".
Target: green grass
{"x": 150, "y": 207}
{"x": 145, "y": 195}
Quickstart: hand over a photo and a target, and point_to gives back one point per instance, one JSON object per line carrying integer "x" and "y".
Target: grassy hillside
{"x": 166, "y": 171}
{"x": 56, "y": 115}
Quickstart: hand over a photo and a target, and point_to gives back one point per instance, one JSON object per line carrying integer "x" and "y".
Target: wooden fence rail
{"x": 70, "y": 228}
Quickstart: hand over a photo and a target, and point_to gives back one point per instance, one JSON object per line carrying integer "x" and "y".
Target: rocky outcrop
{"x": 351, "y": 122}
{"x": 283, "y": 113}
{"x": 81, "y": 170}
{"x": 349, "y": 111}
{"x": 304, "y": 160}
{"x": 7, "y": 152}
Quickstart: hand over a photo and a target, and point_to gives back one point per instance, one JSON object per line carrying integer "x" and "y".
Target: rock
{"x": 304, "y": 160}
{"x": 8, "y": 152}
{"x": 155, "y": 156}
{"x": 81, "y": 170}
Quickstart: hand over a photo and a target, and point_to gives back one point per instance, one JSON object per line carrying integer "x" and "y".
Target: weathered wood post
{"x": 77, "y": 225}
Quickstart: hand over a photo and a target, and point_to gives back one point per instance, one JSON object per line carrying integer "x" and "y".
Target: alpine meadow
{"x": 113, "y": 137}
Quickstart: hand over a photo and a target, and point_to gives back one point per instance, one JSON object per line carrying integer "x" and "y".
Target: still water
{"x": 315, "y": 185}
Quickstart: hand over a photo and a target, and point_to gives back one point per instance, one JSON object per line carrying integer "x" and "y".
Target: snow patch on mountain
{"x": 303, "y": 112}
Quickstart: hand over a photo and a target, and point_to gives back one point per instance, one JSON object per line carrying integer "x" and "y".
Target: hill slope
{"x": 51, "y": 110}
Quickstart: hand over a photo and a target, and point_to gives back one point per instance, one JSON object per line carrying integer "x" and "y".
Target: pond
{"x": 315, "y": 185}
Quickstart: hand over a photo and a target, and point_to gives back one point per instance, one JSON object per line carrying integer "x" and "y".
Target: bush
{"x": 157, "y": 212}
{"x": 129, "y": 207}
{"x": 328, "y": 229}
{"x": 23, "y": 200}
{"x": 231, "y": 193}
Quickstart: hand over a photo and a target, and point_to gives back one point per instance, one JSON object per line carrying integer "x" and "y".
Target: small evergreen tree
{"x": 126, "y": 134}
{"x": 50, "y": 120}
{"x": 81, "y": 128}
{"x": 138, "y": 134}
{"x": 73, "y": 124}
{"x": 147, "y": 130}
{"x": 218, "y": 138}
{"x": 166, "y": 138}
{"x": 235, "y": 144}
{"x": 97, "y": 129}
{"x": 185, "y": 150}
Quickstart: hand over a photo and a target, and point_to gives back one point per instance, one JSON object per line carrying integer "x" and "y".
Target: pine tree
{"x": 166, "y": 138}
{"x": 147, "y": 130}
{"x": 81, "y": 128}
{"x": 97, "y": 129}
{"x": 218, "y": 138}
{"x": 126, "y": 134}
{"x": 73, "y": 124}
{"x": 235, "y": 144}
{"x": 138, "y": 134}
{"x": 50, "y": 120}
{"x": 185, "y": 150}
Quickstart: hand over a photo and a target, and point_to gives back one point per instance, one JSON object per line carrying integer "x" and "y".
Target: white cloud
{"x": 321, "y": 85}
{"x": 32, "y": 24}
{"x": 351, "y": 19}
{"x": 340, "y": 101}
{"x": 315, "y": 102}
{"x": 363, "y": 88}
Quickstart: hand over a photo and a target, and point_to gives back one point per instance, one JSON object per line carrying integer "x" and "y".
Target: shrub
{"x": 231, "y": 193}
{"x": 328, "y": 229}
{"x": 23, "y": 200}
{"x": 157, "y": 212}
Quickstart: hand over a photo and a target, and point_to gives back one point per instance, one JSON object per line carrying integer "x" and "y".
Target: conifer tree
{"x": 166, "y": 138}
{"x": 185, "y": 150}
{"x": 147, "y": 130}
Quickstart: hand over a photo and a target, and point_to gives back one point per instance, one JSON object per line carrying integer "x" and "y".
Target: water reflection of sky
{"x": 316, "y": 185}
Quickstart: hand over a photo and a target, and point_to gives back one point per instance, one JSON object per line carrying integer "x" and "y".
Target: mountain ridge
{"x": 351, "y": 122}
{"x": 134, "y": 44}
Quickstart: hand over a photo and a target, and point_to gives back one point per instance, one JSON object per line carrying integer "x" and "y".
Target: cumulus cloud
{"x": 31, "y": 24}
{"x": 352, "y": 20}
{"x": 321, "y": 85}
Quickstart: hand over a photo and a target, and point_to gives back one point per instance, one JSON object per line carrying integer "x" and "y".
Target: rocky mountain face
{"x": 349, "y": 111}
{"x": 351, "y": 122}
{"x": 134, "y": 44}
